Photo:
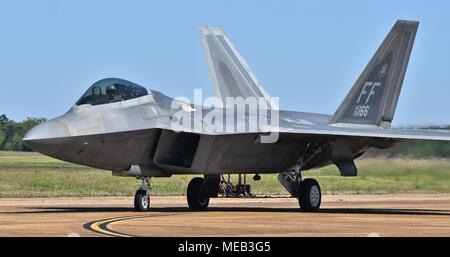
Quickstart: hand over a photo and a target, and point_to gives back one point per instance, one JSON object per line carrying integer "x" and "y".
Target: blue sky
{"x": 307, "y": 53}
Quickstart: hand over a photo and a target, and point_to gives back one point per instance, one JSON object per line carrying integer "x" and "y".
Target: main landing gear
{"x": 309, "y": 195}
{"x": 307, "y": 191}
{"x": 197, "y": 197}
{"x": 142, "y": 196}
{"x": 200, "y": 190}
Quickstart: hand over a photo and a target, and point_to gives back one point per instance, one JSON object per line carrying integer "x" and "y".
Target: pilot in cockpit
{"x": 111, "y": 91}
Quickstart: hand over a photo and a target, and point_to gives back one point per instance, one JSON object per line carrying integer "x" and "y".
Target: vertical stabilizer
{"x": 373, "y": 98}
{"x": 231, "y": 75}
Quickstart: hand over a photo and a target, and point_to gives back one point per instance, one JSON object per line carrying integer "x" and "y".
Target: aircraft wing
{"x": 331, "y": 131}
{"x": 299, "y": 123}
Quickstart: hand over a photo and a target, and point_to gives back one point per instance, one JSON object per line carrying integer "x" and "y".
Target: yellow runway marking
{"x": 101, "y": 226}
{"x": 97, "y": 226}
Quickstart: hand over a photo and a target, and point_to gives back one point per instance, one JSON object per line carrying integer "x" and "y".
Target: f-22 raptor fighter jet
{"x": 120, "y": 126}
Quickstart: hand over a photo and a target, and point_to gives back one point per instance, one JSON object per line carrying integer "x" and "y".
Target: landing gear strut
{"x": 142, "y": 196}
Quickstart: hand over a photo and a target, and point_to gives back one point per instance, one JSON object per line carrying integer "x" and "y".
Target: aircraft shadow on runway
{"x": 377, "y": 211}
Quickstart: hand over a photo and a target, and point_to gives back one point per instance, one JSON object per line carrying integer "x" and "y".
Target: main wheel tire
{"x": 141, "y": 200}
{"x": 309, "y": 195}
{"x": 197, "y": 196}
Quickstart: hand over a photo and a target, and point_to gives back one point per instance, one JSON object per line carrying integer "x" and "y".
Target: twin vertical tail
{"x": 373, "y": 98}
{"x": 232, "y": 76}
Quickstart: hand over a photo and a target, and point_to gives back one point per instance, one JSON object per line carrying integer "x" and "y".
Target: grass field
{"x": 34, "y": 175}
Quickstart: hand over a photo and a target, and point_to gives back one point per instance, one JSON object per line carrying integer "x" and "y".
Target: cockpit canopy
{"x": 111, "y": 90}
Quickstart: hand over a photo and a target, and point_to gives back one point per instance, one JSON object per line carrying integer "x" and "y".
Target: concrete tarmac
{"x": 340, "y": 215}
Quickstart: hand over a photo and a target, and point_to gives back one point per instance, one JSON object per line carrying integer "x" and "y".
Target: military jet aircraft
{"x": 123, "y": 127}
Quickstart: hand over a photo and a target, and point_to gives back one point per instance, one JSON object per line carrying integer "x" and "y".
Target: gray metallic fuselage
{"x": 138, "y": 132}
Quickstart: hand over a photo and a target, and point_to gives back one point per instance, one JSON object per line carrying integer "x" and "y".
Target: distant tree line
{"x": 12, "y": 132}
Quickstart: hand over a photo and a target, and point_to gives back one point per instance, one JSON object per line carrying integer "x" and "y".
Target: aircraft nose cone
{"x": 47, "y": 130}
{"x": 43, "y": 136}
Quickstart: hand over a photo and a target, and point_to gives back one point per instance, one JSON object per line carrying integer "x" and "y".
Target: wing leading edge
{"x": 365, "y": 132}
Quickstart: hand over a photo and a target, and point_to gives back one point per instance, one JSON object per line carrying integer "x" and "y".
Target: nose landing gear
{"x": 142, "y": 196}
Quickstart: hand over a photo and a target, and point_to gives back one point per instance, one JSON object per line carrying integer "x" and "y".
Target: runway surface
{"x": 341, "y": 215}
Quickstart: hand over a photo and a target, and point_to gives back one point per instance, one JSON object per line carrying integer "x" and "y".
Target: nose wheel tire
{"x": 141, "y": 200}
{"x": 197, "y": 196}
{"x": 309, "y": 195}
